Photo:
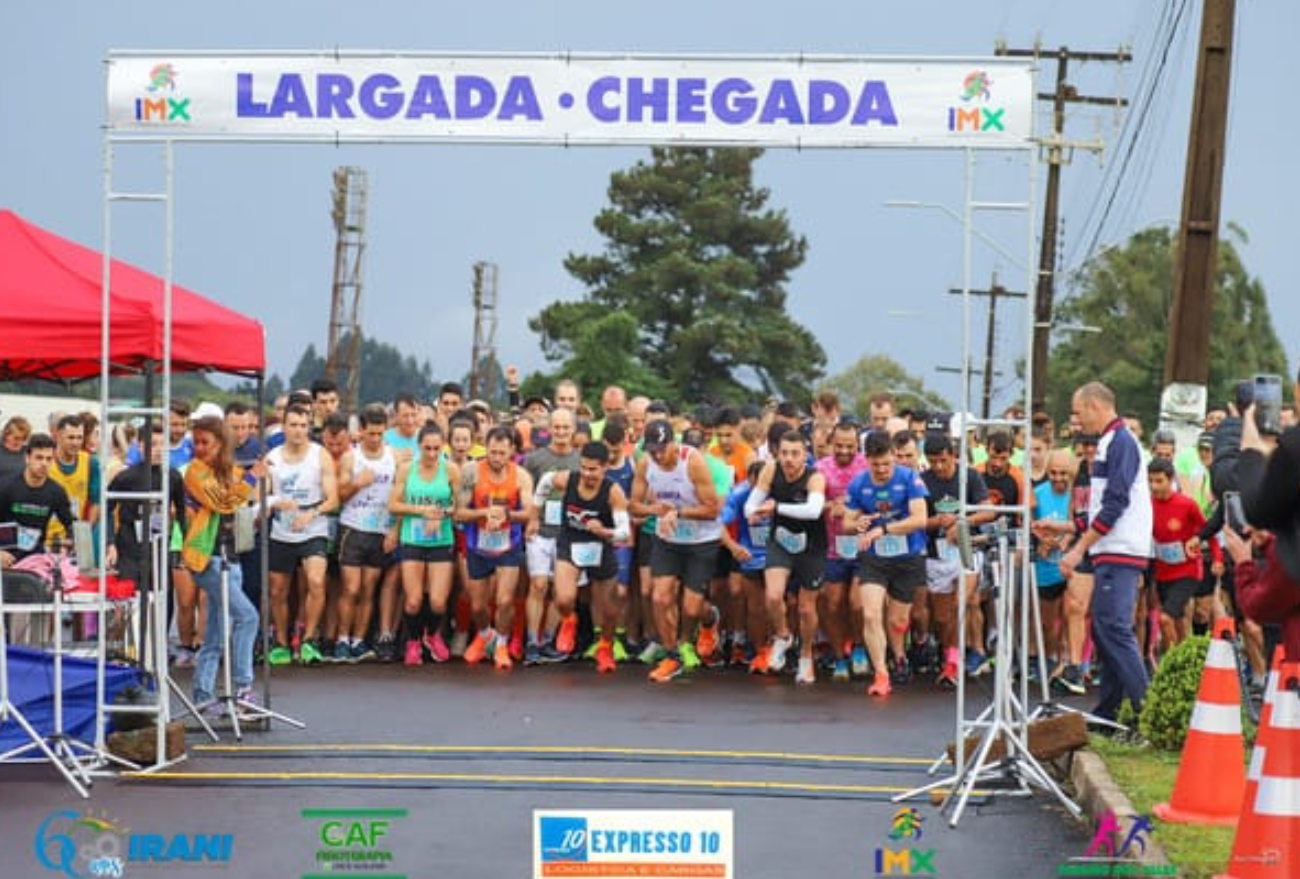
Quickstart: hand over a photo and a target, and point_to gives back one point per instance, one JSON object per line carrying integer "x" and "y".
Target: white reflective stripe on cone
{"x": 1221, "y": 719}
{"x": 1278, "y": 796}
{"x": 1286, "y": 710}
{"x": 1221, "y": 655}
{"x": 1256, "y": 770}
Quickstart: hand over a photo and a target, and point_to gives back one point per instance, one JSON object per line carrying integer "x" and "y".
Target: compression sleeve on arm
{"x": 808, "y": 510}
{"x": 543, "y": 489}
{"x": 756, "y": 499}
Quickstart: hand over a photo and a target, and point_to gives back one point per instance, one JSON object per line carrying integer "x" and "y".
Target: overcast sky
{"x": 253, "y": 225}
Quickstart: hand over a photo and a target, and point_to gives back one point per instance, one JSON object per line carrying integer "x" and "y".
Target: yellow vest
{"x": 77, "y": 485}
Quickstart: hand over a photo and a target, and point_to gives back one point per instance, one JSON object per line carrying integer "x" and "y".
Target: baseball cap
{"x": 205, "y": 410}
{"x": 1205, "y": 440}
{"x": 539, "y": 400}
{"x": 658, "y": 435}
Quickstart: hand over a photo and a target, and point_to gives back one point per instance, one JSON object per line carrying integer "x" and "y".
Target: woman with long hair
{"x": 214, "y": 489}
{"x": 422, "y": 500}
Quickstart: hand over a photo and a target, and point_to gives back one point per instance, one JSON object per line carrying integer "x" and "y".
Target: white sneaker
{"x": 805, "y": 675}
{"x": 776, "y": 658}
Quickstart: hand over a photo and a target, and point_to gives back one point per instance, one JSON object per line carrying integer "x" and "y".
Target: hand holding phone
{"x": 1233, "y": 514}
{"x": 1268, "y": 404}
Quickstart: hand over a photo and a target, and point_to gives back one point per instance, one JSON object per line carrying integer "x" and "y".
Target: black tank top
{"x": 579, "y": 510}
{"x": 786, "y": 492}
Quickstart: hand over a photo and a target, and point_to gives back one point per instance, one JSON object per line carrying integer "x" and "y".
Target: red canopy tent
{"x": 50, "y": 311}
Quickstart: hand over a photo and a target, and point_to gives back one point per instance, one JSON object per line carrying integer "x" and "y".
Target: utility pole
{"x": 1057, "y": 152}
{"x": 995, "y": 292}
{"x": 343, "y": 351}
{"x": 1187, "y": 360}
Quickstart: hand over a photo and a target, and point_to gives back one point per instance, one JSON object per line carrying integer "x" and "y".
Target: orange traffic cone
{"x": 1247, "y": 840}
{"x": 1274, "y": 822}
{"x": 1211, "y": 776}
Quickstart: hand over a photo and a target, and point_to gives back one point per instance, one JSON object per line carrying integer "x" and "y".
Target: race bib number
{"x": 890, "y": 546}
{"x": 758, "y": 535}
{"x": 28, "y": 538}
{"x": 687, "y": 530}
{"x": 790, "y": 541}
{"x": 949, "y": 552}
{"x": 494, "y": 542}
{"x": 551, "y": 513}
{"x": 587, "y": 554}
{"x": 430, "y": 529}
{"x": 1171, "y": 553}
{"x": 846, "y": 546}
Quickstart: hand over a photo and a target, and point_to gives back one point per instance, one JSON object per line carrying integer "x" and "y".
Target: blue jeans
{"x": 1114, "y": 597}
{"x": 243, "y": 633}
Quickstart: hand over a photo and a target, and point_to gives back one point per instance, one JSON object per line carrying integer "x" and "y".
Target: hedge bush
{"x": 1167, "y": 710}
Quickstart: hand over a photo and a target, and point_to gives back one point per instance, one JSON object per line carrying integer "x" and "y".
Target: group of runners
{"x": 768, "y": 539}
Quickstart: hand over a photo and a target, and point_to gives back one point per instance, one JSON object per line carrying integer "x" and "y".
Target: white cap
{"x": 960, "y": 421}
{"x": 203, "y": 410}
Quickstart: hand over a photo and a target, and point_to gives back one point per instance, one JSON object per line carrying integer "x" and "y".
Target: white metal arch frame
{"x": 972, "y": 104}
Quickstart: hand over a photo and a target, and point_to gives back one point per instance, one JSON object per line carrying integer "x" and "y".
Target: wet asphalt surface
{"x": 469, "y": 753}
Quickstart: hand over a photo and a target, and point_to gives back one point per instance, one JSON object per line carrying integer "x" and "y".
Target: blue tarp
{"x": 31, "y": 689}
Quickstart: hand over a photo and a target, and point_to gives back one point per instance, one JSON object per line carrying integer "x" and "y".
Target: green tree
{"x": 698, "y": 262}
{"x": 1127, "y": 294}
{"x": 384, "y": 372}
{"x": 873, "y": 373}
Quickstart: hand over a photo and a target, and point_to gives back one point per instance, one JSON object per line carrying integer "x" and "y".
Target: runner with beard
{"x": 792, "y": 494}
{"x": 842, "y": 618}
{"x": 943, "y": 567}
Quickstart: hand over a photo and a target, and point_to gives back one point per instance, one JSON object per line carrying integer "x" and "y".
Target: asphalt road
{"x": 449, "y": 762}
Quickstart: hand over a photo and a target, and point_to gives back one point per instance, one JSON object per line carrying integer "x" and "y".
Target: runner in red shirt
{"x": 1175, "y": 525}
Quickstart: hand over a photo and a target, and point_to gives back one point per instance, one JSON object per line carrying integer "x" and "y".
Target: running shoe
{"x": 532, "y": 655}
{"x": 476, "y": 650}
{"x": 759, "y": 664}
{"x": 550, "y": 655}
{"x": 805, "y": 676}
{"x": 414, "y": 655}
{"x": 280, "y": 655}
{"x": 386, "y": 648}
{"x": 501, "y": 656}
{"x": 310, "y": 653}
{"x": 566, "y": 638}
{"x": 295, "y": 637}
{"x": 362, "y": 652}
{"x": 900, "y": 674}
{"x": 706, "y": 640}
{"x": 880, "y": 686}
{"x": 841, "y": 670}
{"x": 605, "y": 662}
{"x": 690, "y": 659}
{"x": 652, "y": 653}
{"x": 437, "y": 647}
{"x": 184, "y": 658}
{"x": 517, "y": 646}
{"x": 668, "y": 668}
{"x": 977, "y": 664}
{"x": 459, "y": 643}
{"x": 776, "y": 655}
{"x": 859, "y": 663}
{"x": 620, "y": 651}
{"x": 1071, "y": 680}
{"x": 739, "y": 655}
{"x": 342, "y": 651}
{"x": 948, "y": 677}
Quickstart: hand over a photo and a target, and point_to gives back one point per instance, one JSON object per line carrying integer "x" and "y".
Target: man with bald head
{"x": 613, "y": 404}
{"x": 1118, "y": 540}
{"x": 1053, "y": 529}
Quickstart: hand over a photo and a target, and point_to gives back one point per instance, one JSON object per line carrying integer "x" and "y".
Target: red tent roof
{"x": 50, "y": 308}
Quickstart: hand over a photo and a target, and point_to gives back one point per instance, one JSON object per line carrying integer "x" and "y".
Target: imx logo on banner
{"x": 969, "y": 117}
{"x": 162, "y": 103}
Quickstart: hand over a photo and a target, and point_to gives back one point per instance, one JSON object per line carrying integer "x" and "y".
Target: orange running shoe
{"x": 566, "y": 639}
{"x": 668, "y": 668}
{"x": 706, "y": 641}
{"x": 476, "y": 650}
{"x": 501, "y": 656}
{"x": 880, "y": 686}
{"x": 758, "y": 665}
{"x": 605, "y": 657}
